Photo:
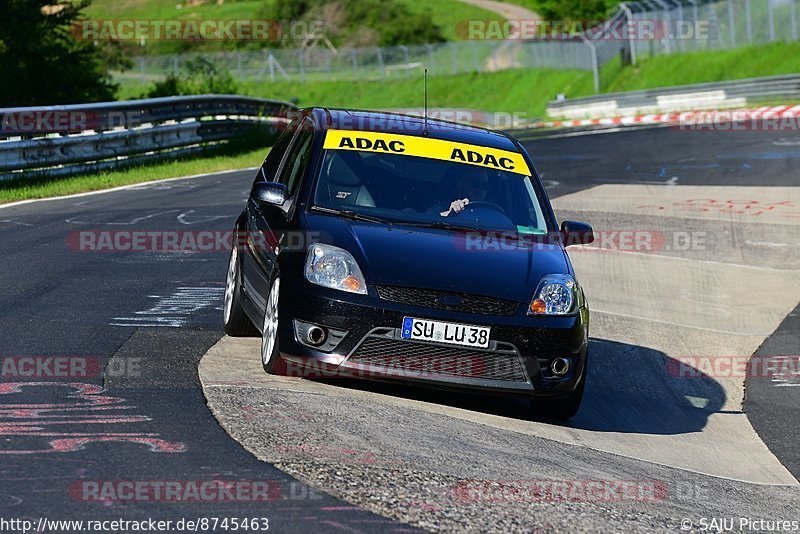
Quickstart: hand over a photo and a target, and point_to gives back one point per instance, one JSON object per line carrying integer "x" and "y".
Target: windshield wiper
{"x": 441, "y": 225}
{"x": 350, "y": 214}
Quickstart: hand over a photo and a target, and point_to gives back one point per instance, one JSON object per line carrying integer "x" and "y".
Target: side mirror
{"x": 269, "y": 193}
{"x": 576, "y": 233}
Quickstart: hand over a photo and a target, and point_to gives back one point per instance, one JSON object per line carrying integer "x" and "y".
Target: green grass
{"x": 166, "y": 10}
{"x": 510, "y": 91}
{"x": 42, "y": 187}
{"x": 704, "y": 66}
{"x": 522, "y": 91}
{"x": 528, "y": 90}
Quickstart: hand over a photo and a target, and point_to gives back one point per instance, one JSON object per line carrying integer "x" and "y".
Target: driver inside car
{"x": 470, "y": 185}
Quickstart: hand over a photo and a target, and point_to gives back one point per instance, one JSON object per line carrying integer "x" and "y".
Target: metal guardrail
{"x": 60, "y": 140}
{"x": 705, "y": 95}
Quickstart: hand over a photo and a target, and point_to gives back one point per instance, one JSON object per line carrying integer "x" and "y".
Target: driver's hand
{"x": 457, "y": 206}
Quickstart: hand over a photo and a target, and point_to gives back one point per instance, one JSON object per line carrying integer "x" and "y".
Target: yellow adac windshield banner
{"x": 425, "y": 147}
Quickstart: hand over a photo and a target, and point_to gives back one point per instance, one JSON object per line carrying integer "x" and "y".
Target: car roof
{"x": 399, "y": 123}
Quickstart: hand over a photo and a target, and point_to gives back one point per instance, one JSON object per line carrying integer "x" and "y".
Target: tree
{"x": 43, "y": 62}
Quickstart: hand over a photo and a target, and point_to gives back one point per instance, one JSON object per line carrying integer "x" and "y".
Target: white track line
{"x": 121, "y": 187}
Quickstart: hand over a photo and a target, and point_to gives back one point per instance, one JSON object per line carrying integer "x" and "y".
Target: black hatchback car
{"x": 387, "y": 247}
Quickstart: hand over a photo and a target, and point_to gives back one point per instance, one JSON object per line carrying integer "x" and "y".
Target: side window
{"x": 297, "y": 161}
{"x": 270, "y": 166}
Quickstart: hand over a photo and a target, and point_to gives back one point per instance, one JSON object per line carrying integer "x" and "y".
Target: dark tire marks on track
{"x": 773, "y": 406}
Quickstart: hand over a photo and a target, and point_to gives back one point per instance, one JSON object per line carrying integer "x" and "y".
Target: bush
{"x": 202, "y": 77}
{"x": 575, "y": 10}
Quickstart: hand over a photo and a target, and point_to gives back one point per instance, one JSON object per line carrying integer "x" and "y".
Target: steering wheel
{"x": 482, "y": 204}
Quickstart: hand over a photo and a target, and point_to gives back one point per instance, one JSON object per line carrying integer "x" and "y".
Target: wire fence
{"x": 374, "y": 63}
{"x": 716, "y": 25}
{"x": 637, "y": 29}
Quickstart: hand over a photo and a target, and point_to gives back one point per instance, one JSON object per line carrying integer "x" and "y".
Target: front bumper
{"x": 517, "y": 360}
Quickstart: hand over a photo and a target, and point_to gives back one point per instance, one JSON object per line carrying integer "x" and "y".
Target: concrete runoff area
{"x": 655, "y": 314}
{"x": 410, "y": 454}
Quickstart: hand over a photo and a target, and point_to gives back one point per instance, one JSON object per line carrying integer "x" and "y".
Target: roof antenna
{"x": 425, "y": 83}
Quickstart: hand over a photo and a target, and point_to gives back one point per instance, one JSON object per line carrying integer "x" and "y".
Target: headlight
{"x": 554, "y": 296}
{"x": 334, "y": 267}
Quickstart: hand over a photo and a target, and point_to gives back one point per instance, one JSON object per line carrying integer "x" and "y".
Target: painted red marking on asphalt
{"x": 752, "y": 208}
{"x": 47, "y": 419}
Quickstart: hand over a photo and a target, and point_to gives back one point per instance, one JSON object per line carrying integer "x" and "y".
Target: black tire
{"x": 235, "y": 320}
{"x": 562, "y": 408}
{"x": 271, "y": 360}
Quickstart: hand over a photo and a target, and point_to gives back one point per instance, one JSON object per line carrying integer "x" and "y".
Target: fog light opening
{"x": 560, "y": 366}
{"x": 316, "y": 336}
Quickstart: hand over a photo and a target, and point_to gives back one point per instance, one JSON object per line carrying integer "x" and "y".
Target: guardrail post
{"x": 665, "y": 11}
{"x": 260, "y": 72}
{"x": 474, "y": 56}
{"x": 302, "y": 57}
{"x": 749, "y": 21}
{"x": 381, "y": 66}
{"x": 771, "y": 13}
{"x": 595, "y": 67}
{"x": 731, "y": 24}
{"x": 405, "y": 56}
{"x": 455, "y": 58}
{"x": 631, "y": 43}
{"x": 271, "y": 61}
{"x": 695, "y": 22}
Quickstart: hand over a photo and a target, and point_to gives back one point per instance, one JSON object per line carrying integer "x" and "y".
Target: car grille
{"x": 434, "y": 359}
{"x": 431, "y": 298}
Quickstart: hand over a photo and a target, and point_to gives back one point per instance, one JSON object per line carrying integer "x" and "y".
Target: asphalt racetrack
{"x": 696, "y": 268}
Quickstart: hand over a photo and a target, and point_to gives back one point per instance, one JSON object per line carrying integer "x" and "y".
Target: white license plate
{"x": 442, "y": 332}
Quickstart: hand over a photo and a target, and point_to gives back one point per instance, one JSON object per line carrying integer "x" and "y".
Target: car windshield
{"x": 419, "y": 190}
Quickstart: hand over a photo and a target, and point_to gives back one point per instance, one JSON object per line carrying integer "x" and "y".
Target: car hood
{"x": 403, "y": 255}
